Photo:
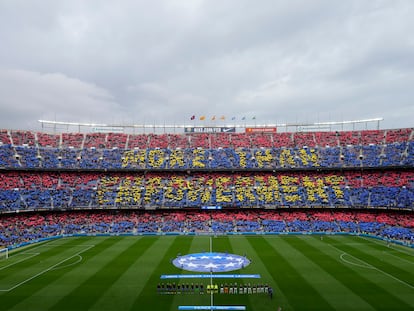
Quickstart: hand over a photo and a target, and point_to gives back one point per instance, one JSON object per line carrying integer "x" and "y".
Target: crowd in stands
{"x": 23, "y": 190}
{"x": 21, "y": 228}
{"x": 205, "y": 140}
{"x": 373, "y": 148}
{"x": 114, "y": 172}
{"x": 366, "y": 156}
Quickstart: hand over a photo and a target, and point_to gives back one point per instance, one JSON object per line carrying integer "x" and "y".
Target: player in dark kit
{"x": 270, "y": 291}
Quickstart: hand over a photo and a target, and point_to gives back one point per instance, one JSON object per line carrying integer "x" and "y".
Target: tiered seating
{"x": 255, "y": 159}
{"x": 4, "y": 138}
{"x": 324, "y": 139}
{"x": 48, "y": 140}
{"x": 72, "y": 140}
{"x": 16, "y": 229}
{"x": 397, "y": 135}
{"x": 330, "y": 157}
{"x": 201, "y": 140}
{"x": 304, "y": 139}
{"x": 389, "y": 189}
{"x": 116, "y": 140}
{"x": 372, "y": 137}
{"x": 349, "y": 138}
{"x": 240, "y": 158}
{"x": 21, "y": 138}
{"x": 259, "y": 140}
{"x": 283, "y": 140}
{"x": 95, "y": 140}
{"x": 370, "y": 155}
{"x": 409, "y": 155}
{"x": 28, "y": 157}
{"x": 393, "y": 154}
{"x": 257, "y": 150}
{"x": 8, "y": 157}
{"x": 158, "y": 141}
{"x": 240, "y": 140}
{"x": 138, "y": 141}
{"x": 178, "y": 141}
{"x": 220, "y": 140}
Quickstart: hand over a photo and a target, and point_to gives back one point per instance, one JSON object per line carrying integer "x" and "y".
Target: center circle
{"x": 211, "y": 262}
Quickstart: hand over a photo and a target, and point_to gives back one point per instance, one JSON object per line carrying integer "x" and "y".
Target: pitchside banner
{"x": 209, "y": 129}
{"x": 261, "y": 130}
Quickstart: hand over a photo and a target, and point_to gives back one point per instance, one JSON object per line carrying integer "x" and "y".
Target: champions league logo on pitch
{"x": 211, "y": 262}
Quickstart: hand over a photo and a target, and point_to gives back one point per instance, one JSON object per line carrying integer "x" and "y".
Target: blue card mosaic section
{"x": 211, "y": 262}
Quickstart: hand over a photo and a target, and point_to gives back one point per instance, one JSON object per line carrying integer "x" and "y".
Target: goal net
{"x": 4, "y": 253}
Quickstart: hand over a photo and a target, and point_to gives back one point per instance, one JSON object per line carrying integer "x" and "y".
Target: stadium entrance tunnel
{"x": 211, "y": 262}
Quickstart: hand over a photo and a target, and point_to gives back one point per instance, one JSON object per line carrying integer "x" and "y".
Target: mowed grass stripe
{"x": 345, "y": 287}
{"x": 199, "y": 244}
{"x": 40, "y": 292}
{"x": 223, "y": 244}
{"x": 402, "y": 251}
{"x": 39, "y": 260}
{"x": 90, "y": 290}
{"x": 123, "y": 292}
{"x": 328, "y": 287}
{"x": 401, "y": 292}
{"x": 385, "y": 256}
{"x": 259, "y": 302}
{"x": 48, "y": 256}
{"x": 301, "y": 294}
{"x": 145, "y": 299}
{"x": 378, "y": 260}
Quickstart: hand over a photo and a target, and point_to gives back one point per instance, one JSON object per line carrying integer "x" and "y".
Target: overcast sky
{"x": 164, "y": 61}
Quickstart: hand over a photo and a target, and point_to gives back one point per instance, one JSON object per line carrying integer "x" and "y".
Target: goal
{"x": 4, "y": 253}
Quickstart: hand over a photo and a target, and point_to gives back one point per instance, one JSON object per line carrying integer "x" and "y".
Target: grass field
{"x": 122, "y": 273}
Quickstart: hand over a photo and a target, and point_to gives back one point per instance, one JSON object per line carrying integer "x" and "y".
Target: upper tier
{"x": 347, "y": 149}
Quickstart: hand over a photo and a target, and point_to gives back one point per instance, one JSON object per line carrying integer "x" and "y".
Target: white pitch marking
{"x": 14, "y": 263}
{"x": 379, "y": 270}
{"x": 391, "y": 245}
{"x": 44, "y": 271}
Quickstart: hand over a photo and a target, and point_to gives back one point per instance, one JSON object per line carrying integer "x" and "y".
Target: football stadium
{"x": 193, "y": 217}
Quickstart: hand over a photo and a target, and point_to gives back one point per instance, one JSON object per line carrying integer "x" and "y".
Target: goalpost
{"x": 4, "y": 253}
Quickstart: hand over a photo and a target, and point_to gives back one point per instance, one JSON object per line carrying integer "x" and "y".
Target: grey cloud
{"x": 163, "y": 61}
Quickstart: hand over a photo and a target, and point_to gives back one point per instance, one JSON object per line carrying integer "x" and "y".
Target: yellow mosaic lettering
{"x": 263, "y": 159}
{"x": 286, "y": 158}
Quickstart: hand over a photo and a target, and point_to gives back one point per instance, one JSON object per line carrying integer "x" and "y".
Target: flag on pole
{"x": 202, "y": 118}
{"x": 223, "y": 118}
{"x": 192, "y": 117}
{"x": 213, "y": 118}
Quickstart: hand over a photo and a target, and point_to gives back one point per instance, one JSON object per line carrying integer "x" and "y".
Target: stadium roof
{"x": 373, "y": 123}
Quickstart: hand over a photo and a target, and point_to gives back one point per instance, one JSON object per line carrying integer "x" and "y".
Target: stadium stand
{"x": 368, "y": 169}
{"x": 21, "y": 228}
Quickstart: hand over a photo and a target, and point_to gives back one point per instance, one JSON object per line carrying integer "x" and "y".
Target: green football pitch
{"x": 122, "y": 273}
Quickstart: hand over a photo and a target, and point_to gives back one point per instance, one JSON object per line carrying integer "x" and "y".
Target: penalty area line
{"x": 23, "y": 259}
{"x": 373, "y": 267}
{"x": 46, "y": 270}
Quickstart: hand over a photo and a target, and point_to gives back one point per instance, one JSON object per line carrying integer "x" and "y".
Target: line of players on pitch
{"x": 198, "y": 288}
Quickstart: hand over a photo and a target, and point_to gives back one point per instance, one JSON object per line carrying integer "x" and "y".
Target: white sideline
{"x": 373, "y": 267}
{"x": 364, "y": 265}
{"x": 402, "y": 259}
{"x": 391, "y": 246}
{"x": 46, "y": 270}
{"x": 71, "y": 264}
